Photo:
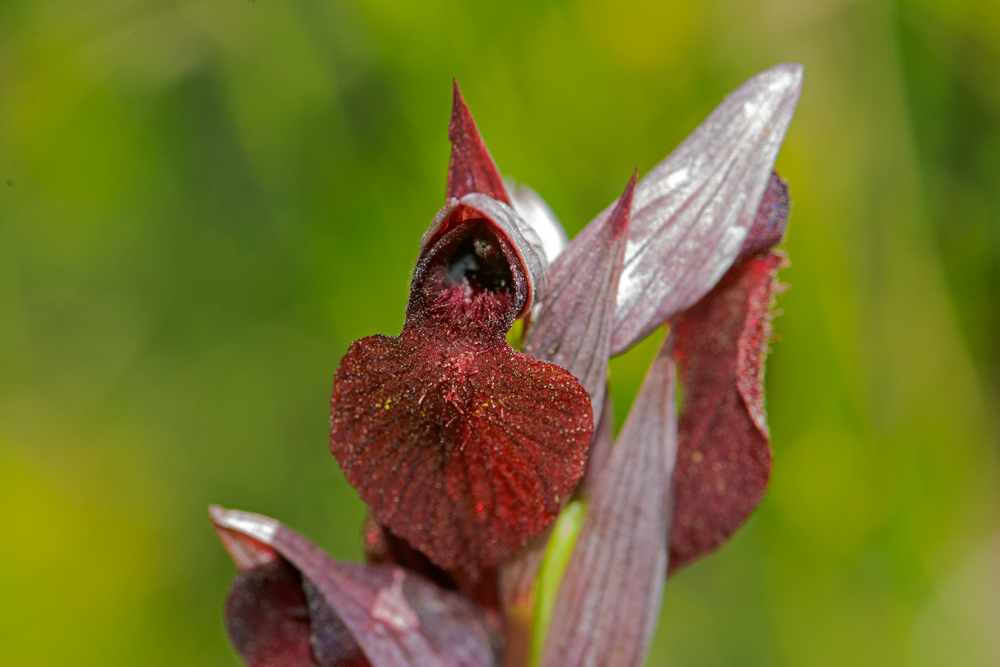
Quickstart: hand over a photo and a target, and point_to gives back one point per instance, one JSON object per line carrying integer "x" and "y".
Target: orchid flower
{"x": 467, "y": 450}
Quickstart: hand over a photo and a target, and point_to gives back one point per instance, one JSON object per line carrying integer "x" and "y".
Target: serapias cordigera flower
{"x": 466, "y": 450}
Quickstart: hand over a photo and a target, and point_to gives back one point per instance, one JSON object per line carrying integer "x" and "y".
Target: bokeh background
{"x": 202, "y": 202}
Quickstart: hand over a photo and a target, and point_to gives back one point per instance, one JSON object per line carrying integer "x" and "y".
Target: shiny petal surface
{"x": 724, "y": 454}
{"x": 272, "y": 616}
{"x": 397, "y": 618}
{"x": 692, "y": 212}
{"x": 471, "y": 167}
{"x": 610, "y": 595}
{"x": 533, "y": 209}
{"x": 573, "y": 327}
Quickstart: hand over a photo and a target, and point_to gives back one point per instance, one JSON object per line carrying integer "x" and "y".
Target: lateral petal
{"x": 724, "y": 453}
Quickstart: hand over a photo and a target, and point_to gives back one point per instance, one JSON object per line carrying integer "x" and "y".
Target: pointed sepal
{"x": 574, "y": 325}
{"x": 471, "y": 167}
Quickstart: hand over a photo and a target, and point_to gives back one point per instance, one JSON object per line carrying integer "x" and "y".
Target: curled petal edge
{"x": 397, "y": 618}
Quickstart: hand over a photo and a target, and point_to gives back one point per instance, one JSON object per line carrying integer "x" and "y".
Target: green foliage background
{"x": 202, "y": 202}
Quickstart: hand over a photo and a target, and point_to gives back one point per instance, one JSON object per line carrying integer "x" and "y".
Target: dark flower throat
{"x": 468, "y": 280}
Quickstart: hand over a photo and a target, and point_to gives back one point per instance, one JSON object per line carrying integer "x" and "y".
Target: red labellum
{"x": 724, "y": 454}
{"x": 471, "y": 167}
{"x": 459, "y": 444}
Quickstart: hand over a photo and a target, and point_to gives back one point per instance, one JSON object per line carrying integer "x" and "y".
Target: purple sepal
{"x": 609, "y": 599}
{"x": 692, "y": 212}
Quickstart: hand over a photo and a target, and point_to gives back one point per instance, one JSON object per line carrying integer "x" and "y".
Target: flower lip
{"x": 459, "y": 444}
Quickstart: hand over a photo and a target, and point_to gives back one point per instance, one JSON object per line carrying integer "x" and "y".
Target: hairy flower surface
{"x": 466, "y": 450}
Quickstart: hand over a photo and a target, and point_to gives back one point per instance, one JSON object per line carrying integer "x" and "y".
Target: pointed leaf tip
{"x": 471, "y": 167}
{"x": 623, "y": 209}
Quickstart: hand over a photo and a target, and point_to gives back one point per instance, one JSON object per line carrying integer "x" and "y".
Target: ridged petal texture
{"x": 692, "y": 212}
{"x": 724, "y": 454}
{"x": 299, "y": 607}
{"x": 609, "y": 598}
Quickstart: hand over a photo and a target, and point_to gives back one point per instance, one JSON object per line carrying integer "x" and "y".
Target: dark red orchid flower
{"x": 467, "y": 450}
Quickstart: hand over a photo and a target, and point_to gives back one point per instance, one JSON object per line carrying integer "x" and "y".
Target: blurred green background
{"x": 202, "y": 202}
